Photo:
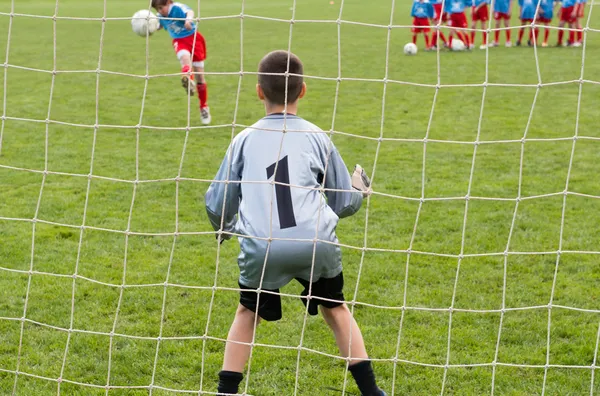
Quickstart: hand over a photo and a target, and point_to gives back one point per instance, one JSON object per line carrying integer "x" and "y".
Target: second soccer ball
{"x": 410, "y": 49}
{"x": 458, "y": 45}
{"x": 144, "y": 23}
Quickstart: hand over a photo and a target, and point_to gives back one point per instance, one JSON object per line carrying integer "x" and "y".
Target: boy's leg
{"x": 497, "y": 32}
{"x": 521, "y": 32}
{"x": 202, "y": 92}
{"x": 242, "y": 330}
{"x": 237, "y": 350}
{"x": 414, "y": 38}
{"x": 236, "y": 355}
{"x": 561, "y": 33}
{"x": 507, "y": 25}
{"x": 546, "y": 35}
{"x": 473, "y": 27}
{"x": 187, "y": 80}
{"x": 426, "y": 37}
{"x": 351, "y": 344}
{"x": 484, "y": 33}
{"x": 571, "y": 33}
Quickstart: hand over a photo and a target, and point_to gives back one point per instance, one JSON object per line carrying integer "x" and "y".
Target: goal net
{"x": 471, "y": 269}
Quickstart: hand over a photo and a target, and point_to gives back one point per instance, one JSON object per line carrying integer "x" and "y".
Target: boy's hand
{"x": 222, "y": 237}
{"x": 188, "y": 24}
{"x": 361, "y": 181}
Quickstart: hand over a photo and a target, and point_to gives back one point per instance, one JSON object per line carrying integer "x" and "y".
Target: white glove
{"x": 361, "y": 181}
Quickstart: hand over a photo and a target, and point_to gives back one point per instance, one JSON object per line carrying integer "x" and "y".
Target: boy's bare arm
{"x": 189, "y": 19}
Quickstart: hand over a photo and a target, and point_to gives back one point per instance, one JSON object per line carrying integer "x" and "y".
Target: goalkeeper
{"x": 269, "y": 186}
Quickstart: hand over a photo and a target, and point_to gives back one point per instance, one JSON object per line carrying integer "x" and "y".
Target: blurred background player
{"x": 480, "y": 13}
{"x": 568, "y": 15}
{"x": 439, "y": 18}
{"x": 579, "y": 11}
{"x": 527, "y": 11}
{"x": 546, "y": 13}
{"x": 502, "y": 13}
{"x": 422, "y": 12}
{"x": 457, "y": 20}
{"x": 190, "y": 47}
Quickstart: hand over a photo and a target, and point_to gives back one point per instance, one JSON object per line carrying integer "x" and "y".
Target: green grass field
{"x": 396, "y": 272}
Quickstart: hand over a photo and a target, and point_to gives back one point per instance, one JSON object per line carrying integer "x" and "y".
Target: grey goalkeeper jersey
{"x": 291, "y": 208}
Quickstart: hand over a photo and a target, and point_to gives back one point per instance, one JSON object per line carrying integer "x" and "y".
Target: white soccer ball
{"x": 410, "y": 49}
{"x": 457, "y": 45}
{"x": 144, "y": 23}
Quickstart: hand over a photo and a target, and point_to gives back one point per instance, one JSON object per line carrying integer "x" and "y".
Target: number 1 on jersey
{"x": 283, "y": 193}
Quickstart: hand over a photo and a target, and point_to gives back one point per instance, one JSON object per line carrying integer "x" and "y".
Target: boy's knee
{"x": 334, "y": 312}
{"x": 246, "y": 313}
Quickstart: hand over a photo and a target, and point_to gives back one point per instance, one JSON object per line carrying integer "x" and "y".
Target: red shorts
{"x": 437, "y": 8}
{"x": 458, "y": 20}
{"x": 482, "y": 14}
{"x": 197, "y": 48}
{"x": 524, "y": 21}
{"x": 565, "y": 14}
{"x": 424, "y": 22}
{"x": 544, "y": 20}
{"x": 501, "y": 15}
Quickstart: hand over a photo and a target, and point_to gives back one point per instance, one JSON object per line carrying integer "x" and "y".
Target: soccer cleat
{"x": 205, "y": 115}
{"x": 471, "y": 46}
{"x": 508, "y": 44}
{"x": 518, "y": 44}
{"x": 529, "y": 43}
{"x": 544, "y": 44}
{"x": 493, "y": 44}
{"x": 577, "y": 44}
{"x": 483, "y": 46}
{"x": 188, "y": 83}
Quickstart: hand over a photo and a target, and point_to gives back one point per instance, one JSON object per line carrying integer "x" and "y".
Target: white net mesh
{"x": 69, "y": 301}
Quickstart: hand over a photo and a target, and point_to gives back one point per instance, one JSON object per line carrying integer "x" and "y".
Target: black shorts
{"x": 269, "y": 307}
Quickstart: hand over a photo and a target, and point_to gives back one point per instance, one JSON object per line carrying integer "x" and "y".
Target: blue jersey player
{"x": 283, "y": 194}
{"x": 568, "y": 15}
{"x": 422, "y": 11}
{"x": 546, "y": 13}
{"x": 502, "y": 13}
{"x": 189, "y": 46}
{"x": 527, "y": 14}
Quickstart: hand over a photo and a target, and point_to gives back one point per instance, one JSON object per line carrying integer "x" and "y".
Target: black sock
{"x": 365, "y": 378}
{"x": 229, "y": 381}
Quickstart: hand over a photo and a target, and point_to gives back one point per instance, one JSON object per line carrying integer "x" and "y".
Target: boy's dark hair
{"x": 158, "y": 3}
{"x": 273, "y": 86}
